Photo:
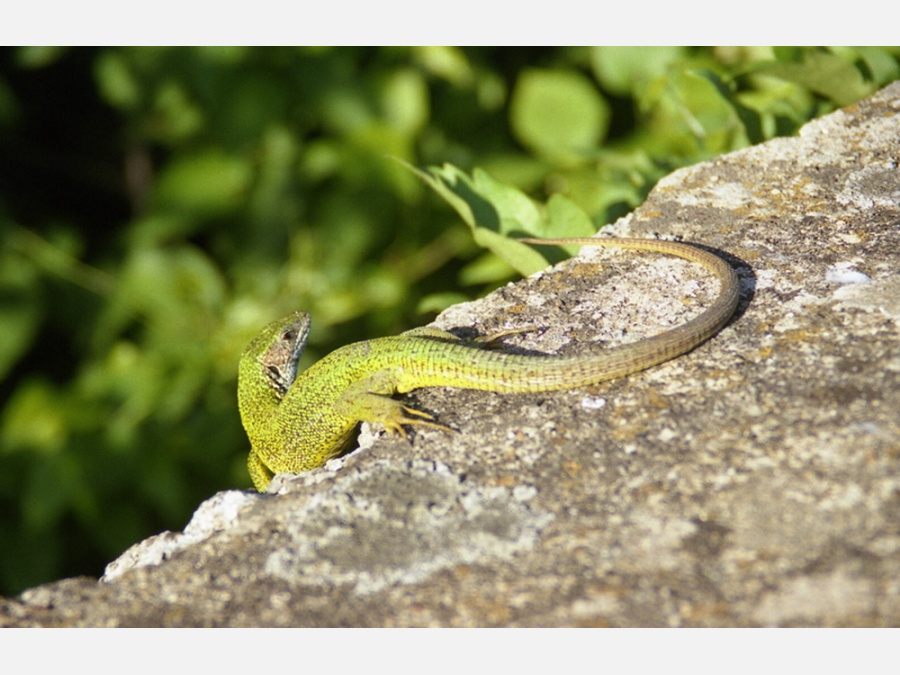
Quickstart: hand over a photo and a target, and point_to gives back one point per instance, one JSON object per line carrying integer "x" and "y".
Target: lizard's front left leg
{"x": 369, "y": 400}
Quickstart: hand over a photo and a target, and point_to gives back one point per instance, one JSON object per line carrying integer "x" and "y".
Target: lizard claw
{"x": 405, "y": 416}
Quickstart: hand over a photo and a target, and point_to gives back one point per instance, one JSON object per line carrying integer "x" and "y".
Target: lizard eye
{"x": 274, "y": 372}
{"x": 288, "y": 335}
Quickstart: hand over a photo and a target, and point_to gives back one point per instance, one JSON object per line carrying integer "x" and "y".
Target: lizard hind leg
{"x": 495, "y": 340}
{"x": 489, "y": 341}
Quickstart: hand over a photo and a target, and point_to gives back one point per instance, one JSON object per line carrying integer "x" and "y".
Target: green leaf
{"x": 822, "y": 72}
{"x": 691, "y": 115}
{"x": 495, "y": 212}
{"x": 176, "y": 117}
{"x": 449, "y": 63}
{"x": 33, "y": 419}
{"x": 566, "y": 219}
{"x": 620, "y": 69}
{"x": 438, "y": 302}
{"x": 748, "y": 117}
{"x": 39, "y": 56}
{"x": 788, "y": 54}
{"x": 205, "y": 183}
{"x": 521, "y": 257}
{"x": 485, "y": 269}
{"x": 881, "y": 65}
{"x": 492, "y": 211}
{"x": 20, "y": 308}
{"x": 404, "y": 101}
{"x": 115, "y": 80}
{"x": 558, "y": 113}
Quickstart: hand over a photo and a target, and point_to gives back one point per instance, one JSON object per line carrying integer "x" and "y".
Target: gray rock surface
{"x": 752, "y": 482}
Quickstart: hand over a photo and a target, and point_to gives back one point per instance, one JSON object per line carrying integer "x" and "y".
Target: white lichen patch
{"x": 880, "y": 295}
{"x": 816, "y": 598}
{"x": 845, "y": 273}
{"x": 218, "y": 513}
{"x": 351, "y": 534}
{"x": 872, "y": 186}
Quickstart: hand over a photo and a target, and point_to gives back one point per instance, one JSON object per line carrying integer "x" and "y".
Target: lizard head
{"x": 274, "y": 353}
{"x": 279, "y": 361}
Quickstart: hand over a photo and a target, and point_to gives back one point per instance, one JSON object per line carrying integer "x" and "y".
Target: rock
{"x": 752, "y": 482}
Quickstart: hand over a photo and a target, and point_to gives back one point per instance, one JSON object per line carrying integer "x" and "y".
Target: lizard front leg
{"x": 259, "y": 472}
{"x": 369, "y": 400}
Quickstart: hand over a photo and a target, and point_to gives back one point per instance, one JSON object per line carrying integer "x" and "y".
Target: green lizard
{"x": 295, "y": 422}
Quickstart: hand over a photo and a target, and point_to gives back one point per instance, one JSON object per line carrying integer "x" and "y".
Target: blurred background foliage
{"x": 158, "y": 206}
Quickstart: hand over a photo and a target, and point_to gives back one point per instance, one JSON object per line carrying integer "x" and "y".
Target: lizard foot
{"x": 402, "y": 415}
{"x": 492, "y": 340}
{"x": 489, "y": 341}
{"x": 364, "y": 402}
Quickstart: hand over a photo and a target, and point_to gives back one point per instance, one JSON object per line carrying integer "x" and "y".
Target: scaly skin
{"x": 295, "y": 422}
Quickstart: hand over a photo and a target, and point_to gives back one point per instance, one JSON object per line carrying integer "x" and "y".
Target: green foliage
{"x": 159, "y": 205}
{"x": 558, "y": 113}
{"x": 497, "y": 213}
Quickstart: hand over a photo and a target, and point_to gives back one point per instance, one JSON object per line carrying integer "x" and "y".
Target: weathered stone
{"x": 754, "y": 481}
